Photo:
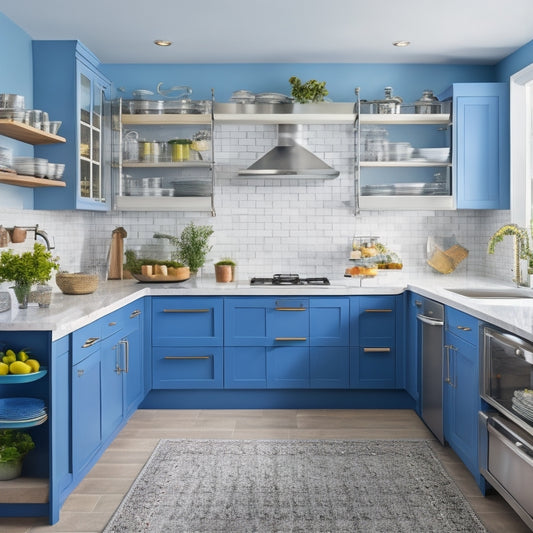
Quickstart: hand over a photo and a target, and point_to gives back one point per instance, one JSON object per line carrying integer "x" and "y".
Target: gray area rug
{"x": 293, "y": 486}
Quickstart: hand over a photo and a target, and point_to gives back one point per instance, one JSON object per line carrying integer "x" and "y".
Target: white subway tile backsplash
{"x": 273, "y": 225}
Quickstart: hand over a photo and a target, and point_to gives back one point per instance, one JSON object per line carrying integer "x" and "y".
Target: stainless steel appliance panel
{"x": 431, "y": 319}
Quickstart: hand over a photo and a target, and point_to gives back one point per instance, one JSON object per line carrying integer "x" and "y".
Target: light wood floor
{"x": 90, "y": 506}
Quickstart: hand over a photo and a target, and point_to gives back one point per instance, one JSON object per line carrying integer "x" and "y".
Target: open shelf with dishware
{"x": 163, "y": 156}
{"x": 403, "y": 160}
{"x": 26, "y": 133}
{"x": 10, "y": 178}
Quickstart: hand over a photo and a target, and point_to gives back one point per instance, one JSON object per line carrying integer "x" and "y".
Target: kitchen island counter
{"x": 68, "y": 313}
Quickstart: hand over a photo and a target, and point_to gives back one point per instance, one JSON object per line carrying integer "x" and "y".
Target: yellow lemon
{"x": 7, "y": 359}
{"x": 22, "y": 356}
{"x": 18, "y": 367}
{"x": 34, "y": 364}
{"x": 4, "y": 369}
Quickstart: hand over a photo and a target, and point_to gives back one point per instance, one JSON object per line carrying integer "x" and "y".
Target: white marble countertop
{"x": 68, "y": 313}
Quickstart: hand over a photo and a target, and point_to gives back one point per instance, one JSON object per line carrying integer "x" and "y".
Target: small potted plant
{"x": 14, "y": 445}
{"x": 192, "y": 246}
{"x": 225, "y": 270}
{"x": 26, "y": 269}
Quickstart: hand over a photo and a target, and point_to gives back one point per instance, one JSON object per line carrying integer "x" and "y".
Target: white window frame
{"x": 521, "y": 146}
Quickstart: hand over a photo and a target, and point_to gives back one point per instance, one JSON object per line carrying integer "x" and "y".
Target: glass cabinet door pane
{"x": 98, "y": 99}
{"x": 96, "y": 146}
{"x": 85, "y": 99}
{"x": 96, "y": 189}
{"x": 85, "y": 141}
{"x": 85, "y": 179}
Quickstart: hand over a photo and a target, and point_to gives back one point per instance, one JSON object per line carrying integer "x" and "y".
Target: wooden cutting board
{"x": 116, "y": 254}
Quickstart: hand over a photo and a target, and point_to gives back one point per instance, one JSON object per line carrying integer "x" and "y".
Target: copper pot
{"x": 18, "y": 235}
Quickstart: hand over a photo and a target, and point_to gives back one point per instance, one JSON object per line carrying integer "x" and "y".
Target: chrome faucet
{"x": 521, "y": 248}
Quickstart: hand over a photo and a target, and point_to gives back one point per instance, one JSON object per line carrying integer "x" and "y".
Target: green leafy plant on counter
{"x": 14, "y": 445}
{"x": 192, "y": 246}
{"x": 226, "y": 261}
{"x": 310, "y": 91}
{"x": 29, "y": 267}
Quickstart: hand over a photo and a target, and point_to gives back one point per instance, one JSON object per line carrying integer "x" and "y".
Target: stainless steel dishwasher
{"x": 431, "y": 319}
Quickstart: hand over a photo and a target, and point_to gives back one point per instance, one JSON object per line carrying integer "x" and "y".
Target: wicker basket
{"x": 78, "y": 283}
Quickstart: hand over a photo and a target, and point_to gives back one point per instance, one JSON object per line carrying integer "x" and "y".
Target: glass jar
{"x": 180, "y": 149}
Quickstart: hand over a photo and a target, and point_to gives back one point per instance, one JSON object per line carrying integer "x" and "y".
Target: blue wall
{"x": 16, "y": 77}
{"x": 515, "y": 62}
{"x": 407, "y": 80}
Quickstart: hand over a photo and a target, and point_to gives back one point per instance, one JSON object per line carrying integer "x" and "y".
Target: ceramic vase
{"x": 10, "y": 470}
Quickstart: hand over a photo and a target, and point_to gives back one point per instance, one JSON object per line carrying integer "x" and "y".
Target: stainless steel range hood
{"x": 289, "y": 158}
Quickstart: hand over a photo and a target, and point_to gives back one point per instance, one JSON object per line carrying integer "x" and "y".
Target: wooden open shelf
{"x": 24, "y": 490}
{"x": 10, "y": 178}
{"x": 28, "y": 134}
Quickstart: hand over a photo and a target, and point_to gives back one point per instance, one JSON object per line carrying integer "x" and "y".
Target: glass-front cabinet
{"x": 69, "y": 83}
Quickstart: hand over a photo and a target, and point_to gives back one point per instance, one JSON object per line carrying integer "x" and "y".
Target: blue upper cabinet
{"x": 481, "y": 145}
{"x": 70, "y": 88}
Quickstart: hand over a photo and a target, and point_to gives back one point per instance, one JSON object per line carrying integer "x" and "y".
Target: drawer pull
{"x": 81, "y": 372}
{"x": 135, "y": 313}
{"x": 376, "y": 350}
{"x": 90, "y": 341}
{"x": 186, "y": 310}
{"x": 112, "y": 324}
{"x": 290, "y": 308}
{"x": 378, "y": 310}
{"x": 290, "y": 338}
{"x": 464, "y": 328}
{"x": 186, "y": 357}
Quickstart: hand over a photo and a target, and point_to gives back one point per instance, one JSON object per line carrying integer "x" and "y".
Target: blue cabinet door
{"x": 245, "y": 367}
{"x": 86, "y": 407}
{"x": 178, "y": 321}
{"x": 132, "y": 363}
{"x": 70, "y": 88}
{"x": 412, "y": 349}
{"x": 288, "y": 367}
{"x": 245, "y": 321}
{"x": 373, "y": 367}
{"x": 187, "y": 368}
{"x": 374, "y": 320}
{"x": 329, "y": 367}
{"x": 112, "y": 385}
{"x": 329, "y": 321}
{"x": 461, "y": 400}
{"x": 481, "y": 145}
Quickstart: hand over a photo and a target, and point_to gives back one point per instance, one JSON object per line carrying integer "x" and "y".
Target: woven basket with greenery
{"x": 77, "y": 283}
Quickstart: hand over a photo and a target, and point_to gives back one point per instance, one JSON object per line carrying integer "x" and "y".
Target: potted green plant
{"x": 27, "y": 268}
{"x": 225, "y": 270}
{"x": 14, "y": 445}
{"x": 192, "y": 246}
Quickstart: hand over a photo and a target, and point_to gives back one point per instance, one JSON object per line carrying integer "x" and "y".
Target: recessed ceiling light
{"x": 401, "y": 44}
{"x": 161, "y": 42}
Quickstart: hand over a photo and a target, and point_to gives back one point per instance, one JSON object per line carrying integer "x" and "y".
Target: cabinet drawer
{"x": 372, "y": 317}
{"x": 187, "y": 321}
{"x": 187, "y": 368}
{"x": 462, "y": 325}
{"x": 86, "y": 340}
{"x": 112, "y": 323}
{"x": 373, "y": 367}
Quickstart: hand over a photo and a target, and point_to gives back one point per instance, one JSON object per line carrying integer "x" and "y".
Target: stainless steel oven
{"x": 506, "y": 429}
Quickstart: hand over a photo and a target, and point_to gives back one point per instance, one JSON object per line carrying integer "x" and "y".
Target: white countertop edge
{"x": 69, "y": 313}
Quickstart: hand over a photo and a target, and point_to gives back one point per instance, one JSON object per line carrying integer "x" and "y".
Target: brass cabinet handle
{"x": 464, "y": 328}
{"x": 112, "y": 324}
{"x": 81, "y": 372}
{"x": 290, "y": 338}
{"x": 186, "y": 357}
{"x": 186, "y": 310}
{"x": 375, "y": 350}
{"x": 135, "y": 313}
{"x": 290, "y": 309}
{"x": 378, "y": 310}
{"x": 90, "y": 341}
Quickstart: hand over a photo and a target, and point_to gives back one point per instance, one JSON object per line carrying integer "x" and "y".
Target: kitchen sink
{"x": 494, "y": 294}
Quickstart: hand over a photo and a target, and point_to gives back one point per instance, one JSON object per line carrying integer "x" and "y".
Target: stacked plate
{"x": 439, "y": 155}
{"x": 523, "y": 403}
{"x": 21, "y": 411}
{"x": 31, "y": 166}
{"x": 6, "y": 158}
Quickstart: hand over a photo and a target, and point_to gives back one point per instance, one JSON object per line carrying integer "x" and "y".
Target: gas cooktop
{"x": 289, "y": 280}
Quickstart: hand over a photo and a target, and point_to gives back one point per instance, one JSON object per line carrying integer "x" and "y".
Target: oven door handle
{"x": 430, "y": 321}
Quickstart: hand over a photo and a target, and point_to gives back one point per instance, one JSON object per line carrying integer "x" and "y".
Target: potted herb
{"x": 225, "y": 270}
{"x": 192, "y": 246}
{"x": 308, "y": 92}
{"x": 14, "y": 445}
{"x": 26, "y": 269}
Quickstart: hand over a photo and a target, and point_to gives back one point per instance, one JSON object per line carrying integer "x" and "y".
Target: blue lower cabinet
{"x": 373, "y": 367}
{"x": 329, "y": 367}
{"x": 245, "y": 367}
{"x": 86, "y": 407}
{"x": 288, "y": 367}
{"x": 329, "y": 321}
{"x": 187, "y": 367}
